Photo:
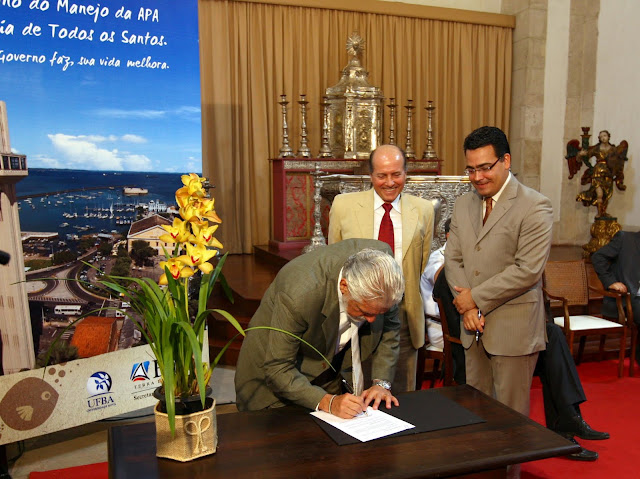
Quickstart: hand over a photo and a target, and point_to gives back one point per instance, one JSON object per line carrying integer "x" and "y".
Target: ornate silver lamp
{"x": 285, "y": 151}
{"x": 411, "y": 153}
{"x": 392, "y": 120}
{"x": 303, "y": 151}
{"x": 355, "y": 108}
{"x": 429, "y": 152}
{"x": 325, "y": 149}
{"x": 317, "y": 240}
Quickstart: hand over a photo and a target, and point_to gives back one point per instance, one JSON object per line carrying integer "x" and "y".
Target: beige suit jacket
{"x": 351, "y": 216}
{"x": 502, "y": 262}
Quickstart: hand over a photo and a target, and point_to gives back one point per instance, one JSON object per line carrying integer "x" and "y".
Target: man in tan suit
{"x": 498, "y": 246}
{"x": 362, "y": 215}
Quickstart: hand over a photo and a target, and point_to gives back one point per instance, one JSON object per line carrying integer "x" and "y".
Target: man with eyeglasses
{"x": 498, "y": 246}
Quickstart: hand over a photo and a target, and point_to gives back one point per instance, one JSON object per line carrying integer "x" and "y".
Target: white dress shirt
{"x": 396, "y": 218}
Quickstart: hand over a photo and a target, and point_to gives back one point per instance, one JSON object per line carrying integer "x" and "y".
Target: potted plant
{"x": 185, "y": 416}
{"x": 175, "y": 332}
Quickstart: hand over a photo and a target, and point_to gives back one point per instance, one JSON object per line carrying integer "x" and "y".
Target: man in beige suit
{"x": 498, "y": 246}
{"x": 362, "y": 215}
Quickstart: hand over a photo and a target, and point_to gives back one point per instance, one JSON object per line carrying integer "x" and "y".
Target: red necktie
{"x": 488, "y": 208}
{"x": 386, "y": 228}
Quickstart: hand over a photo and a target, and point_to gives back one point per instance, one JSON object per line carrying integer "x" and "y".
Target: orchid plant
{"x": 175, "y": 336}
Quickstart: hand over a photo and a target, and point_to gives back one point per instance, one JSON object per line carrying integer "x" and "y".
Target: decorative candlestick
{"x": 429, "y": 152}
{"x": 325, "y": 149}
{"x": 303, "y": 151}
{"x": 392, "y": 121}
{"x": 317, "y": 240}
{"x": 285, "y": 151}
{"x": 409, "y": 144}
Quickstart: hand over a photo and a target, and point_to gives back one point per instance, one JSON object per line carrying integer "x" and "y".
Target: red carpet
{"x": 94, "y": 471}
{"x": 611, "y": 406}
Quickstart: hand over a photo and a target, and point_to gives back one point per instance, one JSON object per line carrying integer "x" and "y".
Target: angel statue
{"x": 605, "y": 169}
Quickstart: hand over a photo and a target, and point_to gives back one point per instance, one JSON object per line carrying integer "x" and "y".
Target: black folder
{"x": 427, "y": 410}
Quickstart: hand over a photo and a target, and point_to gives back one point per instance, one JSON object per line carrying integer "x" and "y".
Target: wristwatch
{"x": 382, "y": 383}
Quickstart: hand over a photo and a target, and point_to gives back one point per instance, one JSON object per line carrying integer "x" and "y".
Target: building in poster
{"x": 15, "y": 323}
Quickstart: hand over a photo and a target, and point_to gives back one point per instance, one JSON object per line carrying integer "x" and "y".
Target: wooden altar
{"x": 293, "y": 194}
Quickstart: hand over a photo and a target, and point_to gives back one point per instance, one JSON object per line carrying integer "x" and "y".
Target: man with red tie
{"x": 403, "y": 221}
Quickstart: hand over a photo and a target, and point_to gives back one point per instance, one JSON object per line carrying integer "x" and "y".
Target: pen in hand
{"x": 477, "y": 330}
{"x": 347, "y": 386}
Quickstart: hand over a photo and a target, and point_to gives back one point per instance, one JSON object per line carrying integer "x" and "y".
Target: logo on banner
{"x": 99, "y": 389}
{"x": 140, "y": 372}
{"x": 145, "y": 377}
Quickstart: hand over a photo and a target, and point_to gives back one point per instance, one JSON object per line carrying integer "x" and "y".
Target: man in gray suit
{"x": 498, "y": 246}
{"x": 617, "y": 264}
{"x": 332, "y": 298}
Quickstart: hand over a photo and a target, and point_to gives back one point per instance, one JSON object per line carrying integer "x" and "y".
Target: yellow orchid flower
{"x": 187, "y": 179}
{"x": 197, "y": 256}
{"x": 203, "y": 234}
{"x": 192, "y": 188}
{"x": 190, "y": 214}
{"x": 178, "y": 232}
{"x": 177, "y": 269}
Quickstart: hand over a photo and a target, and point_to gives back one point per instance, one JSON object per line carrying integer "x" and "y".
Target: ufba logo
{"x": 99, "y": 389}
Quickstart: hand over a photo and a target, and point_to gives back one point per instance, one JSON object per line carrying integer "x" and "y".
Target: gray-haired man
{"x": 339, "y": 299}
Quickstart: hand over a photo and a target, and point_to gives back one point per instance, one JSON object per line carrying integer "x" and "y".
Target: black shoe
{"x": 583, "y": 455}
{"x": 576, "y": 426}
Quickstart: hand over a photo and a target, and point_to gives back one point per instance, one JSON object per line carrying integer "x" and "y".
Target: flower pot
{"x": 184, "y": 404}
{"x": 196, "y": 434}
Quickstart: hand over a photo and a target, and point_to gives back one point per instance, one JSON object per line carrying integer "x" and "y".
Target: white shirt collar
{"x": 378, "y": 202}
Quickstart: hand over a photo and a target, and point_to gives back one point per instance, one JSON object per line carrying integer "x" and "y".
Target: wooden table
{"x": 286, "y": 443}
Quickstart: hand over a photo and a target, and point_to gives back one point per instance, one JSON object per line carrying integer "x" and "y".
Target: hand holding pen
{"x": 481, "y": 321}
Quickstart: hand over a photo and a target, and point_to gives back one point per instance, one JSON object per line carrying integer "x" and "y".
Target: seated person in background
{"x": 561, "y": 387}
{"x": 562, "y": 391}
{"x": 342, "y": 300}
{"x": 432, "y": 312}
{"x": 618, "y": 266}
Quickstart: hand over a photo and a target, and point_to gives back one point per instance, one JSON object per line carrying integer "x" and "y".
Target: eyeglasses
{"x": 481, "y": 169}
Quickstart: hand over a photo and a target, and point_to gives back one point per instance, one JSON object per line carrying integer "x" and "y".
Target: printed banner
{"x": 58, "y": 397}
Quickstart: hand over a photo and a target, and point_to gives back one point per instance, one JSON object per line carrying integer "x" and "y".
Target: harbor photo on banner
{"x": 99, "y": 118}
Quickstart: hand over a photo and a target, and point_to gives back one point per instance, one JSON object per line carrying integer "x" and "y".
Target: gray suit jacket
{"x": 502, "y": 262}
{"x": 619, "y": 260}
{"x": 275, "y": 368}
{"x": 351, "y": 216}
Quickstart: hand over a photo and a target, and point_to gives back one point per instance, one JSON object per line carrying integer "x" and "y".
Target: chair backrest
{"x": 567, "y": 279}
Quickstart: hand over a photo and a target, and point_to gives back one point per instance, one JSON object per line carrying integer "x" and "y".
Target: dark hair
{"x": 404, "y": 157}
{"x": 447, "y": 225}
{"x": 488, "y": 135}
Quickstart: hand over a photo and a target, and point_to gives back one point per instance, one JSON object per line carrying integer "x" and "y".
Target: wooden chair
{"x": 566, "y": 282}
{"x": 438, "y": 356}
{"x": 428, "y": 352}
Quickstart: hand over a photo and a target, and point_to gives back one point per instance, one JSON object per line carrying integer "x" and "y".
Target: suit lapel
{"x": 331, "y": 313}
{"x": 363, "y": 214}
{"x": 500, "y": 208}
{"x": 409, "y": 222}
{"x": 475, "y": 213}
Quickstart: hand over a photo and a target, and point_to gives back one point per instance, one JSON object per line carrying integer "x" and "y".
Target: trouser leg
{"x": 405, "y": 377}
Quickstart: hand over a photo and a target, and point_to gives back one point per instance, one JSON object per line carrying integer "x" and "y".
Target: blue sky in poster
{"x": 133, "y": 104}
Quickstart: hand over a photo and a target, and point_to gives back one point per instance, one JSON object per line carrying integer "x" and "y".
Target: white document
{"x": 370, "y": 425}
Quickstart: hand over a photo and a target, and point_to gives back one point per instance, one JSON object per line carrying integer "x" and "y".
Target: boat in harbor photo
{"x": 134, "y": 190}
